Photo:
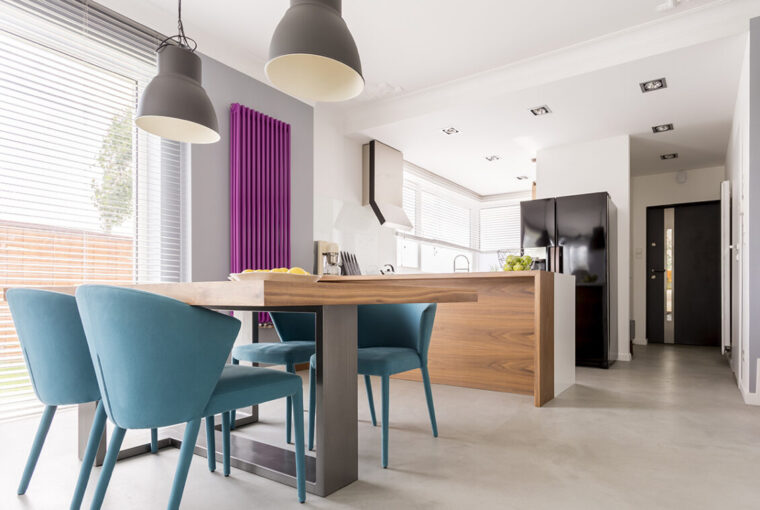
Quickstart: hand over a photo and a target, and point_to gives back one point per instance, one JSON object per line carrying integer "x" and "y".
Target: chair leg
{"x": 312, "y": 404}
{"x": 300, "y": 458}
{"x": 34, "y": 454}
{"x": 226, "y": 443}
{"x": 96, "y": 432}
{"x": 210, "y": 443}
{"x": 386, "y": 382}
{"x": 290, "y": 368}
{"x": 232, "y": 424}
{"x": 429, "y": 397}
{"x": 183, "y": 465}
{"x": 368, "y": 384}
{"x": 153, "y": 440}
{"x": 108, "y": 463}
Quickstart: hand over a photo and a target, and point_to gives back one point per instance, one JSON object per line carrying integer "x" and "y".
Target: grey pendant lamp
{"x": 174, "y": 105}
{"x": 313, "y": 55}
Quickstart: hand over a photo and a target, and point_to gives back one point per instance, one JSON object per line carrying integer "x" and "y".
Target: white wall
{"x": 338, "y": 214}
{"x": 600, "y": 165}
{"x": 661, "y": 189}
{"x": 737, "y": 171}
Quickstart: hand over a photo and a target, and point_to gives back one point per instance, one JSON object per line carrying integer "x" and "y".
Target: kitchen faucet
{"x": 464, "y": 269}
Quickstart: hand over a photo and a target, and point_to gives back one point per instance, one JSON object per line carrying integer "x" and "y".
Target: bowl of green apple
{"x": 518, "y": 263}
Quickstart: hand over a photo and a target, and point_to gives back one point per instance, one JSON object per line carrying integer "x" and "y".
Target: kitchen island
{"x": 519, "y": 337}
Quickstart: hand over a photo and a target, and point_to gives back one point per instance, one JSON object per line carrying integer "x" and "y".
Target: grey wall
{"x": 752, "y": 200}
{"x": 210, "y": 164}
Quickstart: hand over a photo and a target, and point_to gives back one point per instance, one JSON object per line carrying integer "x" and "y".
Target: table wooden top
{"x": 230, "y": 295}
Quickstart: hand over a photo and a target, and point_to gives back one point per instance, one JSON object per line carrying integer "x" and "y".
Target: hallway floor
{"x": 668, "y": 430}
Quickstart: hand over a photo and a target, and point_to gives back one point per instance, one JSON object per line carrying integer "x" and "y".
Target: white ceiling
{"x": 699, "y": 101}
{"x": 407, "y": 45}
{"x": 479, "y": 65}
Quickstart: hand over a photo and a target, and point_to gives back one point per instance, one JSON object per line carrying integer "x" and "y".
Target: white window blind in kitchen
{"x": 500, "y": 228}
{"x": 84, "y": 195}
{"x": 435, "y": 213}
{"x": 443, "y": 220}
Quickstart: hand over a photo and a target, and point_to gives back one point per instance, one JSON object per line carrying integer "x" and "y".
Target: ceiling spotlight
{"x": 672, "y": 155}
{"x": 492, "y": 158}
{"x": 540, "y": 110}
{"x": 652, "y": 85}
{"x": 450, "y": 130}
{"x": 522, "y": 177}
{"x": 662, "y": 128}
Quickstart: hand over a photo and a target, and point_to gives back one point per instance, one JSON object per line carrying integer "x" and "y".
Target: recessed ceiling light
{"x": 450, "y": 130}
{"x": 493, "y": 157}
{"x": 540, "y": 110}
{"x": 522, "y": 177}
{"x": 652, "y": 85}
{"x": 672, "y": 155}
{"x": 662, "y": 128}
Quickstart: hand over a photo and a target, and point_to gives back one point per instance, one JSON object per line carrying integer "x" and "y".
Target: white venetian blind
{"x": 443, "y": 220}
{"x": 500, "y": 228}
{"x": 84, "y": 195}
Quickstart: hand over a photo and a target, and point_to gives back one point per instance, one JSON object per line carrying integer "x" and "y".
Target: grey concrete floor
{"x": 667, "y": 430}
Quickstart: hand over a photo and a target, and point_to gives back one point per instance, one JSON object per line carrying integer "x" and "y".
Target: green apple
{"x": 527, "y": 260}
{"x": 518, "y": 267}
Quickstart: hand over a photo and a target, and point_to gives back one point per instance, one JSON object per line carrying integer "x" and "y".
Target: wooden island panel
{"x": 502, "y": 342}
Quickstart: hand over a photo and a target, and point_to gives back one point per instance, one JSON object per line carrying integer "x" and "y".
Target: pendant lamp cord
{"x": 180, "y": 39}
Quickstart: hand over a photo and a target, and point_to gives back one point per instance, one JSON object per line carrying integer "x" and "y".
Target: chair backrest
{"x": 54, "y": 346}
{"x": 157, "y": 360}
{"x": 294, "y": 326}
{"x": 400, "y": 325}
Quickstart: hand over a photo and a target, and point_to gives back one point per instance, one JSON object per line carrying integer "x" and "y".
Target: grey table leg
{"x": 337, "y": 433}
{"x": 85, "y": 417}
{"x": 249, "y": 329}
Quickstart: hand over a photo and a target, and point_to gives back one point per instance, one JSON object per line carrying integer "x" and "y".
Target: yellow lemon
{"x": 280, "y": 270}
{"x": 296, "y": 270}
{"x": 248, "y": 270}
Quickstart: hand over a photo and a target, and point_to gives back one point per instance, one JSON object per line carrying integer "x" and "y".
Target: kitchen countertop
{"x": 431, "y": 276}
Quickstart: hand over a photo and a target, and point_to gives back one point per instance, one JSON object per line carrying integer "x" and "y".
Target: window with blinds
{"x": 500, "y": 228}
{"x": 84, "y": 195}
{"x": 450, "y": 223}
{"x": 442, "y": 227}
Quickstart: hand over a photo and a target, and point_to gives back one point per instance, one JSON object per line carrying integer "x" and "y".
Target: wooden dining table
{"x": 335, "y": 462}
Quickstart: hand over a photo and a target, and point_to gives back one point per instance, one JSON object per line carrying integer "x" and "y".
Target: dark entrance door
{"x": 683, "y": 274}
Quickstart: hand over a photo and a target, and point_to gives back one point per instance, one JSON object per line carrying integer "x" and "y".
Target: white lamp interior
{"x": 314, "y": 77}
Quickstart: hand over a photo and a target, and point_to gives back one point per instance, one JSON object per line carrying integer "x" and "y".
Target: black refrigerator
{"x": 579, "y": 233}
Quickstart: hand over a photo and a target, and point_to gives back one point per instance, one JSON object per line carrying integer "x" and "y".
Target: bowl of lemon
{"x": 278, "y": 273}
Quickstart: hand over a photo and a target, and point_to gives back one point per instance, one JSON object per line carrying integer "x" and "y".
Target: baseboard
{"x": 640, "y": 341}
{"x": 752, "y": 399}
{"x": 624, "y": 356}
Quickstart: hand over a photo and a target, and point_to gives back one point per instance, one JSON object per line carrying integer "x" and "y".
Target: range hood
{"x": 383, "y": 181}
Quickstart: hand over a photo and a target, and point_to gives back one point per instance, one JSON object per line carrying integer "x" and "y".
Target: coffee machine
{"x": 327, "y": 257}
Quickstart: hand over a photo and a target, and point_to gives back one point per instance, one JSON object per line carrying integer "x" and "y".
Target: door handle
{"x": 657, "y": 270}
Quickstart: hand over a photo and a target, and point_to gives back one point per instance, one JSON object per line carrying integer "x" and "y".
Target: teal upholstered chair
{"x": 160, "y": 362}
{"x": 296, "y": 345}
{"x": 392, "y": 339}
{"x": 57, "y": 358}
